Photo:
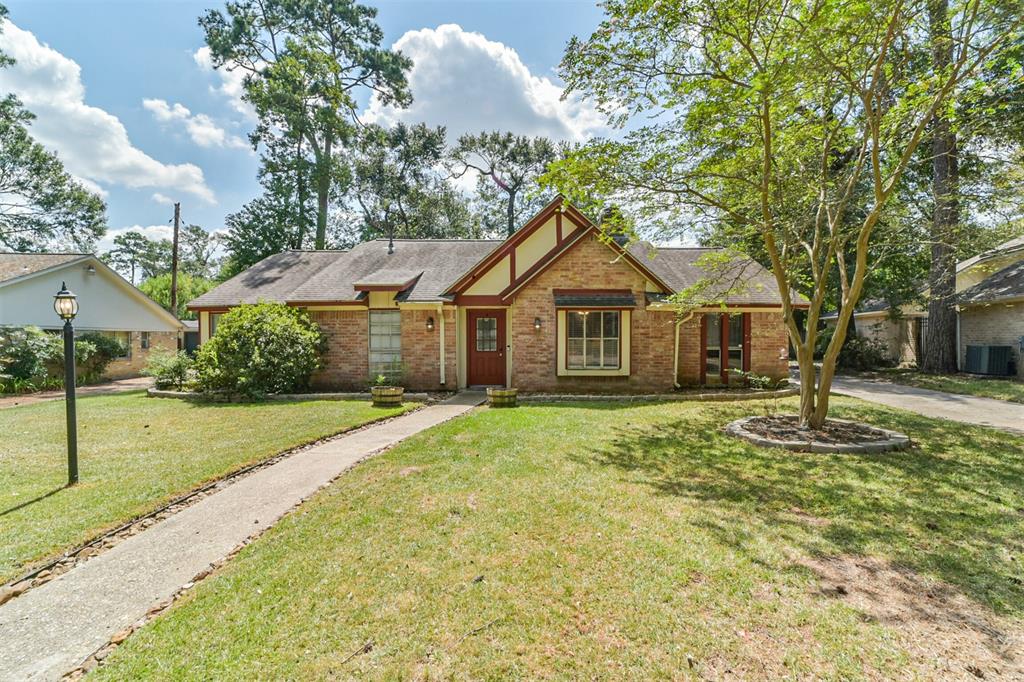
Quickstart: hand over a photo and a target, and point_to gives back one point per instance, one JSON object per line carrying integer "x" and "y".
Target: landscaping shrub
{"x": 260, "y": 349}
{"x": 858, "y": 352}
{"x": 33, "y": 360}
{"x": 170, "y": 370}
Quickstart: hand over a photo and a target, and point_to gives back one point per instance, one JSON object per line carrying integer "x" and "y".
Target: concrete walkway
{"x": 118, "y": 386}
{"x": 51, "y": 629}
{"x": 955, "y": 407}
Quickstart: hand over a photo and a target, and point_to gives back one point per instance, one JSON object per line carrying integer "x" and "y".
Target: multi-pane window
{"x": 144, "y": 340}
{"x": 214, "y": 317}
{"x": 125, "y": 339}
{"x": 385, "y": 343}
{"x": 592, "y": 338}
{"x": 716, "y": 357}
{"x": 486, "y": 333}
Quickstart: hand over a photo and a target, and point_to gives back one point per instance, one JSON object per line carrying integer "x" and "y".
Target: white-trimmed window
{"x": 125, "y": 339}
{"x": 214, "y": 318}
{"x": 144, "y": 340}
{"x": 593, "y": 339}
{"x": 385, "y": 343}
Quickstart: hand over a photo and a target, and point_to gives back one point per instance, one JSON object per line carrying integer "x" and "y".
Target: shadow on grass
{"x": 28, "y": 503}
{"x": 952, "y": 506}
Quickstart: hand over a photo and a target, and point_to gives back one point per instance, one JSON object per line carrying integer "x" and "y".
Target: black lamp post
{"x": 66, "y": 305}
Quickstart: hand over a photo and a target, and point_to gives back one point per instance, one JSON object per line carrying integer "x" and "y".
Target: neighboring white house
{"x": 990, "y": 315}
{"x": 107, "y": 303}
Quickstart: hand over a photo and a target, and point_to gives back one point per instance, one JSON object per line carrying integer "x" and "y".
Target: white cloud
{"x": 231, "y": 82}
{"x": 162, "y": 199}
{"x": 471, "y": 84}
{"x": 92, "y": 143}
{"x": 150, "y": 231}
{"x": 200, "y": 127}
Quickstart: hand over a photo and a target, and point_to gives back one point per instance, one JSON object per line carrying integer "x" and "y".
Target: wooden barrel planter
{"x": 387, "y": 396}
{"x": 501, "y": 397}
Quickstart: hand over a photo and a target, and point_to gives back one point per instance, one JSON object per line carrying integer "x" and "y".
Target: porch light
{"x": 430, "y": 324}
{"x": 536, "y": 323}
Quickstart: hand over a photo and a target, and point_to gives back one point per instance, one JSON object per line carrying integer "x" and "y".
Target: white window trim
{"x": 562, "y": 368}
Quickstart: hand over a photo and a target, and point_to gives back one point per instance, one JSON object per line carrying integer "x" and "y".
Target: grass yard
{"x": 593, "y": 541}
{"x": 135, "y": 453}
{"x": 966, "y": 384}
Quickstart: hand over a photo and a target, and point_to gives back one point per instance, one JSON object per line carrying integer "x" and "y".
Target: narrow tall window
{"x": 385, "y": 343}
{"x": 144, "y": 340}
{"x": 592, "y": 339}
{"x": 713, "y": 352}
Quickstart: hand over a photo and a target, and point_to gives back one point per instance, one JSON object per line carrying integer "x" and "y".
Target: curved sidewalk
{"x": 51, "y": 629}
{"x": 967, "y": 409}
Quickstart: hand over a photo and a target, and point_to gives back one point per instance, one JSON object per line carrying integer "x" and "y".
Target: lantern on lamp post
{"x": 66, "y": 306}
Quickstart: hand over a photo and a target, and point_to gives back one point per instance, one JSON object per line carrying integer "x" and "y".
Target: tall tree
{"x": 306, "y": 63}
{"x": 774, "y": 115}
{"x": 130, "y": 253}
{"x": 940, "y": 345}
{"x": 189, "y": 287}
{"x": 41, "y": 205}
{"x": 508, "y": 166}
{"x": 197, "y": 248}
{"x": 399, "y": 189}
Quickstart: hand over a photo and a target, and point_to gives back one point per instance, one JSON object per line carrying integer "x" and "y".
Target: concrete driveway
{"x": 967, "y": 409}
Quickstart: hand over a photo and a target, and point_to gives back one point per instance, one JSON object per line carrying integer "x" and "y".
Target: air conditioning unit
{"x": 996, "y": 360}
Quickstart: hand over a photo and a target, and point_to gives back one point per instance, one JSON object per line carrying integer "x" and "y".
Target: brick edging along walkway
{"x": 55, "y": 627}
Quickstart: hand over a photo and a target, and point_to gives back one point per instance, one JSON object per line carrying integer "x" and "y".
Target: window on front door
{"x": 486, "y": 334}
{"x": 592, "y": 339}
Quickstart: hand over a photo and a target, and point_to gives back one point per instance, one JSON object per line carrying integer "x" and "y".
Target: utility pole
{"x": 174, "y": 260}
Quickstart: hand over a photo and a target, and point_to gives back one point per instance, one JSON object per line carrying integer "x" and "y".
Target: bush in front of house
{"x": 858, "y": 352}
{"x": 259, "y": 349}
{"x": 170, "y": 370}
{"x": 33, "y": 360}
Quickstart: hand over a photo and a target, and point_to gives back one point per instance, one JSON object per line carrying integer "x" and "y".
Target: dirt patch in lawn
{"x": 947, "y": 635}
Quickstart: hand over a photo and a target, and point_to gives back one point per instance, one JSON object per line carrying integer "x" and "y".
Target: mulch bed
{"x": 785, "y": 428}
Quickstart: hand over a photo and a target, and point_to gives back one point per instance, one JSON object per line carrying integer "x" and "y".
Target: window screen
{"x": 385, "y": 343}
{"x": 592, "y": 339}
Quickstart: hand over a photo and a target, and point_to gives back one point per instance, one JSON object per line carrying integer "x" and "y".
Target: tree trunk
{"x": 300, "y": 197}
{"x": 940, "y": 354}
{"x": 323, "y": 188}
{"x": 511, "y": 213}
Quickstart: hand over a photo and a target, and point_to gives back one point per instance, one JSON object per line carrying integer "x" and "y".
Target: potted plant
{"x": 502, "y": 397}
{"x": 385, "y": 393}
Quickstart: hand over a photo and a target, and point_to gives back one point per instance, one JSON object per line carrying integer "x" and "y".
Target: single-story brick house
{"x": 108, "y": 304}
{"x": 990, "y": 312}
{"x": 552, "y": 308}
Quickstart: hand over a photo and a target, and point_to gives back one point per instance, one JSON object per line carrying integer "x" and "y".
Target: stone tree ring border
{"x": 893, "y": 441}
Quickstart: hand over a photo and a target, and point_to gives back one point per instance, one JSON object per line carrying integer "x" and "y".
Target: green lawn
{"x": 595, "y": 542}
{"x": 135, "y": 453}
{"x": 1000, "y": 389}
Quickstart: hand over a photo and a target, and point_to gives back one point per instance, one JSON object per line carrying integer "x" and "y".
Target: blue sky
{"x": 123, "y": 94}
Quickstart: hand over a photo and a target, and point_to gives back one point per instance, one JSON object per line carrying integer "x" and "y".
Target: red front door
{"x": 486, "y": 347}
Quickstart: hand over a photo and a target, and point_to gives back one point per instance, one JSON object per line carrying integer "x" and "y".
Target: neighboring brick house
{"x": 990, "y": 308}
{"x": 108, "y": 304}
{"x": 553, "y": 308}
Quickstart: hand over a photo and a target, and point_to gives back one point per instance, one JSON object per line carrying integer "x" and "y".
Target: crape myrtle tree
{"x": 767, "y": 119}
{"x": 306, "y": 63}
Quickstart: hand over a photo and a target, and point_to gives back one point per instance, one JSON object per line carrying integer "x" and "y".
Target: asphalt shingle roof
{"x": 680, "y": 269}
{"x": 14, "y": 265}
{"x": 1006, "y": 284}
{"x": 331, "y": 276}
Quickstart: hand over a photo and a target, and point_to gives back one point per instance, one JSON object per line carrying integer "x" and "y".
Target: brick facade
{"x": 347, "y": 358}
{"x": 999, "y": 324}
{"x": 421, "y": 354}
{"x": 133, "y": 365}
{"x": 769, "y": 345}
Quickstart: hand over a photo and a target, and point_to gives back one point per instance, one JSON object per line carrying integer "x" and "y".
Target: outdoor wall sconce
{"x": 430, "y": 324}
{"x": 91, "y": 270}
{"x": 536, "y": 323}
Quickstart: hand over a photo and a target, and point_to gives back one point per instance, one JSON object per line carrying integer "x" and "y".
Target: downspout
{"x": 957, "y": 309}
{"x": 440, "y": 327}
{"x": 675, "y": 356}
